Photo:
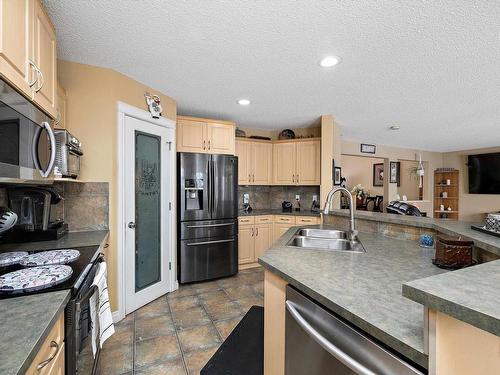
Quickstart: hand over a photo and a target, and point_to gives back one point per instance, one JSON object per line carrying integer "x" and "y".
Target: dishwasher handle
{"x": 325, "y": 344}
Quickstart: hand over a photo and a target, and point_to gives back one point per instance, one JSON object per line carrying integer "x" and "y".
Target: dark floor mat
{"x": 243, "y": 351}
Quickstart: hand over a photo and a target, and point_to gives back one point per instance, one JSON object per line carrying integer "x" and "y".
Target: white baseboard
{"x": 117, "y": 316}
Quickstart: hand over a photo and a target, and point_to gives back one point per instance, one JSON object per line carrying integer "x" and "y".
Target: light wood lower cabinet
{"x": 50, "y": 357}
{"x": 256, "y": 234}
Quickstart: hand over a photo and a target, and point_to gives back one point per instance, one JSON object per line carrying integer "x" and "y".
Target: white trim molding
{"x": 123, "y": 110}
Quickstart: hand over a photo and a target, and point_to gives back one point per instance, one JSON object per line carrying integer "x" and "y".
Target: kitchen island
{"x": 365, "y": 289}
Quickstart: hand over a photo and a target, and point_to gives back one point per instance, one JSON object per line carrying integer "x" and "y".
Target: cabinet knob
{"x": 131, "y": 225}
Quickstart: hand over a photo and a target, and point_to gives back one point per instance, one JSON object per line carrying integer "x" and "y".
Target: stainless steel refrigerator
{"x": 207, "y": 216}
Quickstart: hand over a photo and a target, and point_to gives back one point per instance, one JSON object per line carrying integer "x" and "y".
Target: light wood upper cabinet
{"x": 262, "y": 166}
{"x": 191, "y": 136}
{"x": 45, "y": 58}
{"x": 246, "y": 252}
{"x": 297, "y": 162}
{"x": 254, "y": 162}
{"x": 220, "y": 138}
{"x": 284, "y": 158}
{"x": 308, "y": 170}
{"x": 28, "y": 52}
{"x": 205, "y": 136}
{"x": 15, "y": 43}
{"x": 244, "y": 154}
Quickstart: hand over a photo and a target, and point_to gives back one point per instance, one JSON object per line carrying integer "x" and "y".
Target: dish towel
{"x": 100, "y": 310}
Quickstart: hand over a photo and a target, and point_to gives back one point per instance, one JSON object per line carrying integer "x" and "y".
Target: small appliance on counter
{"x": 315, "y": 204}
{"x": 492, "y": 225}
{"x": 32, "y": 205}
{"x": 287, "y": 206}
{"x": 68, "y": 153}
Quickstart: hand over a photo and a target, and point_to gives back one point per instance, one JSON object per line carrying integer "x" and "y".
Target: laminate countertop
{"x": 259, "y": 212}
{"x": 25, "y": 321}
{"x": 363, "y": 288}
{"x": 450, "y": 227}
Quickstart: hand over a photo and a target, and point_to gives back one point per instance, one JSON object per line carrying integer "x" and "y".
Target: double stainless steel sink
{"x": 326, "y": 239}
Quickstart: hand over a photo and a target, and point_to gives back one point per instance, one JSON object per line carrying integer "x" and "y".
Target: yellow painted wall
{"x": 92, "y": 96}
{"x": 359, "y": 170}
{"x": 473, "y": 207}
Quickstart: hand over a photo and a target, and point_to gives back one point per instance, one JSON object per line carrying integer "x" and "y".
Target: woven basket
{"x": 453, "y": 252}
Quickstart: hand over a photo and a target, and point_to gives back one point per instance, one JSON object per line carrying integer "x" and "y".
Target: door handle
{"x": 293, "y": 178}
{"x": 252, "y": 232}
{"x": 209, "y": 145}
{"x": 297, "y": 177}
{"x": 41, "y": 80}
{"x": 253, "y": 178}
{"x": 336, "y": 352}
{"x": 249, "y": 178}
{"x": 256, "y": 231}
{"x": 204, "y": 143}
{"x": 131, "y": 225}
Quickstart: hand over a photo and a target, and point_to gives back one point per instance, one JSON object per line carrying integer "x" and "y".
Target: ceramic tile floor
{"x": 179, "y": 332}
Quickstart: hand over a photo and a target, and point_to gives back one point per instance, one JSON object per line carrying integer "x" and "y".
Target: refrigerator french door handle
{"x": 215, "y": 200}
{"x": 209, "y": 188}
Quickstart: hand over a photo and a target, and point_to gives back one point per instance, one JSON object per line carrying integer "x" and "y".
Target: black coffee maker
{"x": 32, "y": 206}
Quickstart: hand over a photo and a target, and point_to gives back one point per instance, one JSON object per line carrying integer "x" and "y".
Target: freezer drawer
{"x": 209, "y": 258}
{"x": 208, "y": 228}
{"x": 318, "y": 343}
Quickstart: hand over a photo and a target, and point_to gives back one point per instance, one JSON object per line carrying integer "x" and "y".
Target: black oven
{"x": 27, "y": 142}
{"x": 78, "y": 328}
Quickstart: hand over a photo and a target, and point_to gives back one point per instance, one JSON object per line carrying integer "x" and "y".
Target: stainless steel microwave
{"x": 27, "y": 141}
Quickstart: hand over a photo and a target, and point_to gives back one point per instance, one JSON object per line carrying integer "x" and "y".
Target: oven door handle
{"x": 335, "y": 351}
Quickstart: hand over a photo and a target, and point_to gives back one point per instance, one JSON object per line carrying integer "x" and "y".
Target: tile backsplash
{"x": 271, "y": 197}
{"x": 85, "y": 205}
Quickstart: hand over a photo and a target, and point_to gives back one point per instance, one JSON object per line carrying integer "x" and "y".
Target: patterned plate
{"x": 34, "y": 278}
{"x": 45, "y": 258}
{"x": 13, "y": 257}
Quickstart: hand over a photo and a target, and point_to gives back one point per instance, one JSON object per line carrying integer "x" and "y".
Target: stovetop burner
{"x": 34, "y": 278}
{"x": 78, "y": 265}
{"x": 46, "y": 258}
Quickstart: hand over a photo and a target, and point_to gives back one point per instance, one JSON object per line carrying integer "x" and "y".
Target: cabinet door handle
{"x": 297, "y": 178}
{"x": 41, "y": 80}
{"x": 44, "y": 363}
{"x": 249, "y": 178}
{"x": 253, "y": 178}
{"x": 256, "y": 231}
{"x": 209, "y": 145}
{"x": 252, "y": 232}
{"x": 293, "y": 178}
{"x": 35, "y": 77}
{"x": 204, "y": 144}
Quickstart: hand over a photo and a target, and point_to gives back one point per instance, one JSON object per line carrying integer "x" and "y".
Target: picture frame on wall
{"x": 378, "y": 174}
{"x": 394, "y": 168}
{"x": 337, "y": 176}
{"x": 368, "y": 149}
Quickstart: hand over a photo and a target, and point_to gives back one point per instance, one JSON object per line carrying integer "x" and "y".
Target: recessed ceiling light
{"x": 394, "y": 127}
{"x": 243, "y": 102}
{"x": 329, "y": 61}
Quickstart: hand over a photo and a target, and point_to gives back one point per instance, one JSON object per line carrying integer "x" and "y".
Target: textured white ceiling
{"x": 432, "y": 67}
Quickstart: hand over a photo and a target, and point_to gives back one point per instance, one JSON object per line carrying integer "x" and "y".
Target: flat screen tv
{"x": 484, "y": 173}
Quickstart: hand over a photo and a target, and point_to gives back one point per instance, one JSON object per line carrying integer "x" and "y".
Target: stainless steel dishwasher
{"x": 319, "y": 343}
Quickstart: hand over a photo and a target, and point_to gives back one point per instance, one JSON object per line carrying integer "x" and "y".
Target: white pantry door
{"x": 148, "y": 170}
